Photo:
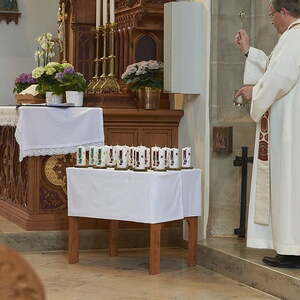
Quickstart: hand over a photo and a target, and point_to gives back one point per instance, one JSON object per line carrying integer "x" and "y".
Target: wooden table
{"x": 155, "y": 231}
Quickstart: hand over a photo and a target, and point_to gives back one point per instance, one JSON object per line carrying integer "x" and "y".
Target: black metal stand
{"x": 242, "y": 161}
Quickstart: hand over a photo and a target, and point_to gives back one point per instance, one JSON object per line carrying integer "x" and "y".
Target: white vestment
{"x": 276, "y": 91}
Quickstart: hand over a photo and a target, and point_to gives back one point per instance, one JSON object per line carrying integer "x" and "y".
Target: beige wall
{"x": 17, "y": 44}
{"x": 194, "y": 126}
{"x": 227, "y": 65}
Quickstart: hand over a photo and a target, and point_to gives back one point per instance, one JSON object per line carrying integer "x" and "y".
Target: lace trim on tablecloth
{"x": 52, "y": 151}
{"x": 8, "y": 116}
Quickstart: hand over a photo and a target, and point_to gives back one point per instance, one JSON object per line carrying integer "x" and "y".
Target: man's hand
{"x": 245, "y": 92}
{"x": 242, "y": 41}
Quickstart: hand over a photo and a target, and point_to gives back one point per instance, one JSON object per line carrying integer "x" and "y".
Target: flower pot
{"x": 53, "y": 98}
{"x": 149, "y": 98}
{"x": 74, "y": 97}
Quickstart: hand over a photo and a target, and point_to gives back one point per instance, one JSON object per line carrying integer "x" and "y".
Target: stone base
{"x": 231, "y": 257}
{"x": 89, "y": 239}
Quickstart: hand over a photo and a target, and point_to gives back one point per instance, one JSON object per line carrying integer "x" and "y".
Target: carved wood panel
{"x": 122, "y": 136}
{"x": 53, "y": 182}
{"x": 13, "y": 174}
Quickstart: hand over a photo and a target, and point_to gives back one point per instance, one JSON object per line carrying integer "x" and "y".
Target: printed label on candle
{"x": 174, "y": 158}
{"x": 186, "y": 157}
{"x": 101, "y": 157}
{"x": 92, "y": 156}
{"x": 81, "y": 156}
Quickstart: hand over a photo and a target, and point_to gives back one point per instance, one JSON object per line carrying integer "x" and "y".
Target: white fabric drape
{"x": 52, "y": 131}
{"x": 146, "y": 197}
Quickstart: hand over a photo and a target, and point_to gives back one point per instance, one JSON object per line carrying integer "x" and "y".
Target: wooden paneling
{"x": 33, "y": 193}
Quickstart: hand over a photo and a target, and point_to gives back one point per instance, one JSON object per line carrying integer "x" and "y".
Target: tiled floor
{"x": 98, "y": 276}
{"x": 125, "y": 278}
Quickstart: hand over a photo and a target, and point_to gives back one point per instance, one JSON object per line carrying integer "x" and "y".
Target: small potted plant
{"x": 22, "y": 82}
{"x": 48, "y": 84}
{"x": 74, "y": 84}
{"x": 145, "y": 77}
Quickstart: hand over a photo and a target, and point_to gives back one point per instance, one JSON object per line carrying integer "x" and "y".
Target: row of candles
{"x": 104, "y": 7}
{"x": 138, "y": 158}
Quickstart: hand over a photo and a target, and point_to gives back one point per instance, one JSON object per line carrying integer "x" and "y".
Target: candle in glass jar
{"x": 81, "y": 156}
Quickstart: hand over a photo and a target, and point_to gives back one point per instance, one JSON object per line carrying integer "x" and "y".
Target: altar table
{"x": 145, "y": 197}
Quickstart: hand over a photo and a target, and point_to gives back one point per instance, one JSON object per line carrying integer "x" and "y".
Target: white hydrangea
{"x": 53, "y": 64}
{"x": 142, "y": 70}
{"x": 67, "y": 66}
{"x": 50, "y": 70}
{"x": 38, "y": 72}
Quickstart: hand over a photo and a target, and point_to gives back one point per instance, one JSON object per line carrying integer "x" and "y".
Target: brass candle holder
{"x": 111, "y": 84}
{"x": 98, "y": 86}
{"x": 97, "y": 60}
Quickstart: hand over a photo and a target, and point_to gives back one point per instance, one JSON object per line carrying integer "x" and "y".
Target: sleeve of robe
{"x": 255, "y": 66}
{"x": 278, "y": 80}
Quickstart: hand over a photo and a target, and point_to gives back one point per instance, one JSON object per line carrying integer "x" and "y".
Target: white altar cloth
{"x": 8, "y": 116}
{"x": 52, "y": 131}
{"x": 145, "y": 197}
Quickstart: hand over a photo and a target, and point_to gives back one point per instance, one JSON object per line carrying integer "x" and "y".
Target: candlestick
{"x": 98, "y": 13}
{"x": 112, "y": 11}
{"x": 111, "y": 84}
{"x": 95, "y": 79}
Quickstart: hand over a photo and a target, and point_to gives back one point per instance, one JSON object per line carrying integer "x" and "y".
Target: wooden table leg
{"x": 73, "y": 250}
{"x": 154, "y": 258}
{"x": 192, "y": 240}
{"x": 113, "y": 237}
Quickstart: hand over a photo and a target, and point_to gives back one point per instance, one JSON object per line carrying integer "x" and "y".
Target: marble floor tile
{"x": 125, "y": 277}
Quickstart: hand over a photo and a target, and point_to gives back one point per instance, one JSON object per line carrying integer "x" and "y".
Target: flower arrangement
{"x": 22, "y": 82}
{"x": 144, "y": 74}
{"x": 71, "y": 80}
{"x": 46, "y": 49}
{"x": 46, "y": 77}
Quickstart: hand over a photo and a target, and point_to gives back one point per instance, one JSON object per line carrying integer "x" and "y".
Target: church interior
{"x": 51, "y": 248}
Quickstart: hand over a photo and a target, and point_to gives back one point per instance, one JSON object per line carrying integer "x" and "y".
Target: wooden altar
{"x": 33, "y": 193}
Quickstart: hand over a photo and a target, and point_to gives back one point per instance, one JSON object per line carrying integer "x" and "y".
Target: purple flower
{"x": 25, "y": 78}
{"x": 59, "y": 76}
{"x": 69, "y": 71}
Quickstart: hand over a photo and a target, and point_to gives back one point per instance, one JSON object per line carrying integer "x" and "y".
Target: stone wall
{"x": 227, "y": 65}
{"x": 17, "y": 45}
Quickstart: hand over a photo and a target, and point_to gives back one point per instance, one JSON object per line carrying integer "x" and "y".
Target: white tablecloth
{"x": 146, "y": 197}
{"x": 8, "y": 116}
{"x": 52, "y": 131}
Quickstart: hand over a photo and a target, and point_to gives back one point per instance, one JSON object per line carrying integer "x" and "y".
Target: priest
{"x": 272, "y": 84}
